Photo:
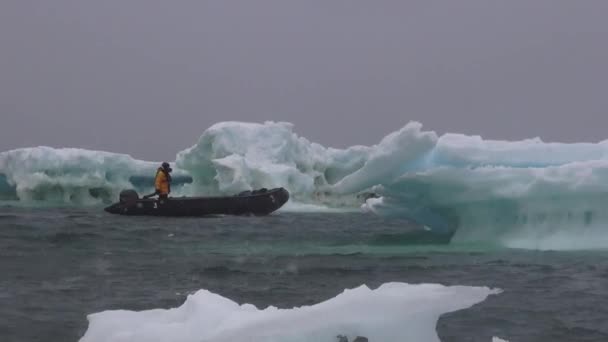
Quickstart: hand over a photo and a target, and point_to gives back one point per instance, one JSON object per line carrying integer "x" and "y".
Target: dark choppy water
{"x": 58, "y": 265}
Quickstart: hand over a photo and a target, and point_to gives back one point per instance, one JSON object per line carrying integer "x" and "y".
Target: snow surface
{"x": 393, "y": 312}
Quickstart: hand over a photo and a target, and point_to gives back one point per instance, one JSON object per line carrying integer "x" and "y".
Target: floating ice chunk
{"x": 393, "y": 312}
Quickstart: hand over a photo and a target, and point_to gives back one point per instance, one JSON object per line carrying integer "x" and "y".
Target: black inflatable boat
{"x": 257, "y": 202}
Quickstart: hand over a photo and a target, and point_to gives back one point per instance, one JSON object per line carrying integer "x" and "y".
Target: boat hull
{"x": 260, "y": 202}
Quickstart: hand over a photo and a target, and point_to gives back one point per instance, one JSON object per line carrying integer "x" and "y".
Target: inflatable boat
{"x": 258, "y": 202}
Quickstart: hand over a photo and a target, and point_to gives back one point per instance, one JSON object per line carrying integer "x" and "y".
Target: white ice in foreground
{"x": 393, "y": 312}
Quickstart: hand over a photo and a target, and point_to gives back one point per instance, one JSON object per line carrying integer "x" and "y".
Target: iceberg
{"x": 46, "y": 175}
{"x": 481, "y": 189}
{"x": 392, "y": 312}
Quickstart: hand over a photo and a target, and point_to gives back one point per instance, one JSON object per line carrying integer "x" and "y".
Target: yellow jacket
{"x": 161, "y": 182}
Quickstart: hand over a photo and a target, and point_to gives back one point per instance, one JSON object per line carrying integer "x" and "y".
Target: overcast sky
{"x": 146, "y": 77}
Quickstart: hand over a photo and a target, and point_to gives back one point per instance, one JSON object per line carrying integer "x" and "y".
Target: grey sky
{"x": 146, "y": 77}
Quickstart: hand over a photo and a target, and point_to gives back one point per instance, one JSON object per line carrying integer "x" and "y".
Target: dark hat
{"x": 167, "y": 167}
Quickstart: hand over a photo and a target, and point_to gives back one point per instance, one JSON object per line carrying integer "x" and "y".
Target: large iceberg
{"x": 393, "y": 312}
{"x": 447, "y": 183}
{"x": 233, "y": 156}
{"x": 45, "y": 175}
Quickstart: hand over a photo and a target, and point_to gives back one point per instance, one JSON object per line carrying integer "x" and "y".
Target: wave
{"x": 482, "y": 189}
{"x": 392, "y": 312}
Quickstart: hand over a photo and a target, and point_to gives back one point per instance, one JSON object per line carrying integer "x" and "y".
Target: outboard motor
{"x": 128, "y": 198}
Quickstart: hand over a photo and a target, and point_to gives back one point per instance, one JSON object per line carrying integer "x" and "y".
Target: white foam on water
{"x": 296, "y": 207}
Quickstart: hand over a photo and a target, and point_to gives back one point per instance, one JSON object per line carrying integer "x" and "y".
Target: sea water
{"x": 68, "y": 274}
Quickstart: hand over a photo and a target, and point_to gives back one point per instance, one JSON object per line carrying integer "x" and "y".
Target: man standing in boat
{"x": 162, "y": 181}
